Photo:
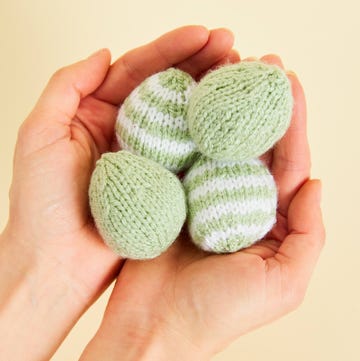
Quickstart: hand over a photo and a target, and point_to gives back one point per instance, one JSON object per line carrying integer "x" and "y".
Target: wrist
{"x": 15, "y": 264}
{"x": 142, "y": 340}
{"x": 37, "y": 306}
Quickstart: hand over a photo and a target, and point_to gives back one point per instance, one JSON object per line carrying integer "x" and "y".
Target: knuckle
{"x": 132, "y": 72}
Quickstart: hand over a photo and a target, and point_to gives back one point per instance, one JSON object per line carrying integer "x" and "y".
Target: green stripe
{"x": 246, "y": 196}
{"x": 229, "y": 245}
{"x": 165, "y": 106}
{"x": 233, "y": 244}
{"x": 170, "y": 161}
{"x": 227, "y": 172}
{"x": 153, "y": 127}
{"x": 175, "y": 80}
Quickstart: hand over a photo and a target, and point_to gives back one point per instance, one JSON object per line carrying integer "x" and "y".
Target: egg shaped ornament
{"x": 138, "y": 206}
{"x": 231, "y": 204}
{"x": 240, "y": 111}
{"x": 151, "y": 121}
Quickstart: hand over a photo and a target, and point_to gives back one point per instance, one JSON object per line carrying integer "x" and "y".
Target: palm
{"x": 226, "y": 295}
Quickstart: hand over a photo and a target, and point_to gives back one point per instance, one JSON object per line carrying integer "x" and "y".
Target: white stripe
{"x": 213, "y": 164}
{"x": 166, "y": 146}
{"x": 254, "y": 231}
{"x": 154, "y": 114}
{"x": 230, "y": 184}
{"x": 168, "y": 94}
{"x": 215, "y": 212}
{"x": 169, "y": 166}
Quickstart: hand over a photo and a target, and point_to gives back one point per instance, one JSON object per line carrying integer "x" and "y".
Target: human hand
{"x": 53, "y": 264}
{"x": 188, "y": 304}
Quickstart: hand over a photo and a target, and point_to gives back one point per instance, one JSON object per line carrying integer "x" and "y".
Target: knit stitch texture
{"x": 151, "y": 121}
{"x": 239, "y": 111}
{"x": 231, "y": 204}
{"x": 138, "y": 206}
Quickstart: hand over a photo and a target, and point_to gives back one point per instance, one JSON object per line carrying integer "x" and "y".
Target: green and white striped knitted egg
{"x": 151, "y": 121}
{"x": 231, "y": 204}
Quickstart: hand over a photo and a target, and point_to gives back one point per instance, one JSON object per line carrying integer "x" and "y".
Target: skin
{"x": 53, "y": 264}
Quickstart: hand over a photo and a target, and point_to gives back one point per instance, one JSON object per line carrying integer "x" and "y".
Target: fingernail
{"x": 93, "y": 55}
{"x": 251, "y": 58}
{"x": 291, "y": 73}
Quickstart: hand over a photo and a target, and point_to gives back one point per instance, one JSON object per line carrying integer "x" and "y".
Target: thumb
{"x": 301, "y": 248}
{"x": 60, "y": 99}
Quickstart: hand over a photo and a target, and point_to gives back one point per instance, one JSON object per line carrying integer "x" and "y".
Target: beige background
{"x": 317, "y": 39}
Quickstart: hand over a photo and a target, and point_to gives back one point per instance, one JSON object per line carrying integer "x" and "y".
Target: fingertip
{"x": 216, "y": 49}
{"x": 198, "y": 32}
{"x": 201, "y": 29}
{"x": 291, "y": 74}
{"x": 223, "y": 36}
{"x": 295, "y": 82}
{"x": 106, "y": 53}
{"x": 103, "y": 52}
{"x": 317, "y": 184}
{"x": 234, "y": 56}
{"x": 272, "y": 59}
{"x": 304, "y": 211}
{"x": 299, "y": 110}
{"x": 250, "y": 58}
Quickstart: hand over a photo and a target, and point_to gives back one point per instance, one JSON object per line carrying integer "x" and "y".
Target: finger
{"x": 250, "y": 58}
{"x": 265, "y": 248}
{"x": 61, "y": 97}
{"x": 266, "y": 158}
{"x": 272, "y": 59}
{"x": 218, "y": 46}
{"x": 136, "y": 65}
{"x": 231, "y": 58}
{"x": 98, "y": 117}
{"x": 58, "y": 103}
{"x": 301, "y": 248}
{"x": 291, "y": 155}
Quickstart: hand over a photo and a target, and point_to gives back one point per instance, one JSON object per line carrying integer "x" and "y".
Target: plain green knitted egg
{"x": 138, "y": 206}
{"x": 151, "y": 122}
{"x": 239, "y": 111}
{"x": 231, "y": 204}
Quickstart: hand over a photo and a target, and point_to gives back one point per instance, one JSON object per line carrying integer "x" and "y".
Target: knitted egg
{"x": 138, "y": 206}
{"x": 151, "y": 121}
{"x": 231, "y": 204}
{"x": 239, "y": 111}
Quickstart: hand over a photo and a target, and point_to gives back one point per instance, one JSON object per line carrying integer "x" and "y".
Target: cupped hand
{"x": 188, "y": 304}
{"x": 57, "y": 147}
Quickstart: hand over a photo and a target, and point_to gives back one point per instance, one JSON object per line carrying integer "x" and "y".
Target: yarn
{"x": 231, "y": 204}
{"x": 151, "y": 121}
{"x": 138, "y": 206}
{"x": 234, "y": 114}
{"x": 239, "y": 111}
